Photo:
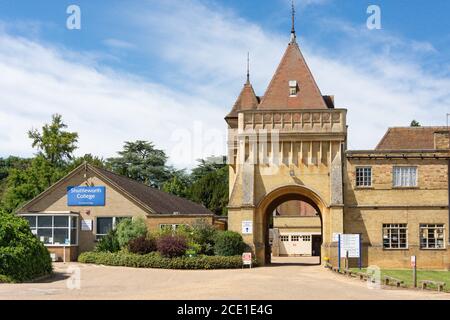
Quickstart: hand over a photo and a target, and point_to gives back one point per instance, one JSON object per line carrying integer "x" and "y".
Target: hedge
{"x": 22, "y": 256}
{"x": 155, "y": 260}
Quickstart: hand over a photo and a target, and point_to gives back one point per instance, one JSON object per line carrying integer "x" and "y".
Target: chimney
{"x": 442, "y": 140}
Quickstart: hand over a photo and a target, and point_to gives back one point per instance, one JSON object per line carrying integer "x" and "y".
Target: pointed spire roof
{"x": 293, "y": 67}
{"x": 247, "y": 99}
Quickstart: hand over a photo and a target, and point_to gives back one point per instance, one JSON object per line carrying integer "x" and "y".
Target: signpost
{"x": 349, "y": 246}
{"x": 247, "y": 259}
{"x": 414, "y": 266}
{"x": 86, "y": 196}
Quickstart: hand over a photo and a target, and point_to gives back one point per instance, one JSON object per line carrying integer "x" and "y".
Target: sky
{"x": 169, "y": 71}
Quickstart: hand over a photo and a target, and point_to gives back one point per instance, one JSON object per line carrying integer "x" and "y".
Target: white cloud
{"x": 104, "y": 107}
{"x": 206, "y": 50}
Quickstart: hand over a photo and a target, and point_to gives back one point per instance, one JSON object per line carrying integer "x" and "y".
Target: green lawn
{"x": 407, "y": 276}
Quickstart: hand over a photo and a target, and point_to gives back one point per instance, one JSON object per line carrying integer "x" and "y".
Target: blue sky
{"x": 168, "y": 71}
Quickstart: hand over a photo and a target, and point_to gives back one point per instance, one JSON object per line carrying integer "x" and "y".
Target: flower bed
{"x": 155, "y": 260}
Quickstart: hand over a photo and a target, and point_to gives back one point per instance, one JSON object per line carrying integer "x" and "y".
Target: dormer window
{"x": 293, "y": 88}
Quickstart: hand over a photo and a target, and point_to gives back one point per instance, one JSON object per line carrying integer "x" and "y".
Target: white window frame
{"x": 284, "y": 238}
{"x": 364, "y": 182}
{"x": 404, "y": 181}
{"x": 98, "y": 236}
{"x": 435, "y": 227}
{"x": 398, "y": 227}
{"x": 173, "y": 226}
{"x": 293, "y": 88}
{"x": 68, "y": 228}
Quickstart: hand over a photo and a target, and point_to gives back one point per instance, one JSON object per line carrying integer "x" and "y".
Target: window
{"x": 405, "y": 177}
{"x": 293, "y": 88}
{"x": 364, "y": 177}
{"x": 306, "y": 238}
{"x": 284, "y": 238}
{"x": 295, "y": 238}
{"x": 432, "y": 236}
{"x": 395, "y": 236}
{"x": 167, "y": 226}
{"x": 54, "y": 230}
{"x": 106, "y": 224}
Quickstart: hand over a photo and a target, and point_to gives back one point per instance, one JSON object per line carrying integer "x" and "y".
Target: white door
{"x": 295, "y": 244}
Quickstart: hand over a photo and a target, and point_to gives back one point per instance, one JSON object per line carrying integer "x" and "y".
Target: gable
{"x": 55, "y": 198}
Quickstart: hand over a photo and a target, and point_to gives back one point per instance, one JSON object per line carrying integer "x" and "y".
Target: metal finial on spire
{"x": 293, "y": 36}
{"x": 248, "y": 67}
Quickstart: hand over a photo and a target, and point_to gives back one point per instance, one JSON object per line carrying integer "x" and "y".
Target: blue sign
{"x": 86, "y": 196}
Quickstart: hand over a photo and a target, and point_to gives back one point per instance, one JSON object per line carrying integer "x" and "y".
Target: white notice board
{"x": 350, "y": 243}
{"x": 86, "y": 225}
{"x": 247, "y": 227}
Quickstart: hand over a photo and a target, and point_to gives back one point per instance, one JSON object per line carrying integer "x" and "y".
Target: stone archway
{"x": 270, "y": 202}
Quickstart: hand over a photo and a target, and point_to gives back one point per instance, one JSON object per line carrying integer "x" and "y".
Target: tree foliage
{"x": 141, "y": 161}
{"x": 24, "y": 185}
{"x": 54, "y": 143}
{"x": 211, "y": 190}
{"x": 415, "y": 123}
{"x": 179, "y": 184}
{"x": 28, "y": 178}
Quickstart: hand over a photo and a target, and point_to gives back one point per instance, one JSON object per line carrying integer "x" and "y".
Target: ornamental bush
{"x": 204, "y": 234}
{"x": 22, "y": 256}
{"x": 129, "y": 229}
{"x": 108, "y": 243}
{"x": 142, "y": 245}
{"x": 170, "y": 246}
{"x": 228, "y": 243}
{"x": 155, "y": 260}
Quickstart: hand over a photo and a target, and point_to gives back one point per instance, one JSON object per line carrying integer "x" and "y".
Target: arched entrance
{"x": 276, "y": 198}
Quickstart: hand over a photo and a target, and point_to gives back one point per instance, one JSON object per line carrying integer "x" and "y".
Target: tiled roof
{"x": 409, "y": 138}
{"x": 161, "y": 202}
{"x": 293, "y": 67}
{"x": 247, "y": 100}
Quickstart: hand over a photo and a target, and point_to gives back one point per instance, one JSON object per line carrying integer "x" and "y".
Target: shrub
{"x": 22, "y": 256}
{"x": 142, "y": 245}
{"x": 228, "y": 243}
{"x": 108, "y": 243}
{"x": 129, "y": 229}
{"x": 171, "y": 245}
{"x": 204, "y": 234}
{"x": 155, "y": 260}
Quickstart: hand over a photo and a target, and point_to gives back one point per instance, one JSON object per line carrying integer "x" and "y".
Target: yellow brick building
{"x": 291, "y": 144}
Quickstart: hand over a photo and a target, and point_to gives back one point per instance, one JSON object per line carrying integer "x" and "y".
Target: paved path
{"x": 278, "y": 282}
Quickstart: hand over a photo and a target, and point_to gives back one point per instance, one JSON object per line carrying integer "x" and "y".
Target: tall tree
{"x": 54, "y": 143}
{"x": 55, "y": 147}
{"x": 208, "y": 165}
{"x": 8, "y": 164}
{"x": 141, "y": 161}
{"x": 210, "y": 185}
{"x": 24, "y": 185}
{"x": 179, "y": 184}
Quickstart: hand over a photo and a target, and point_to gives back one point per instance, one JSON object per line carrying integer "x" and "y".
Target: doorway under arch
{"x": 274, "y": 200}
